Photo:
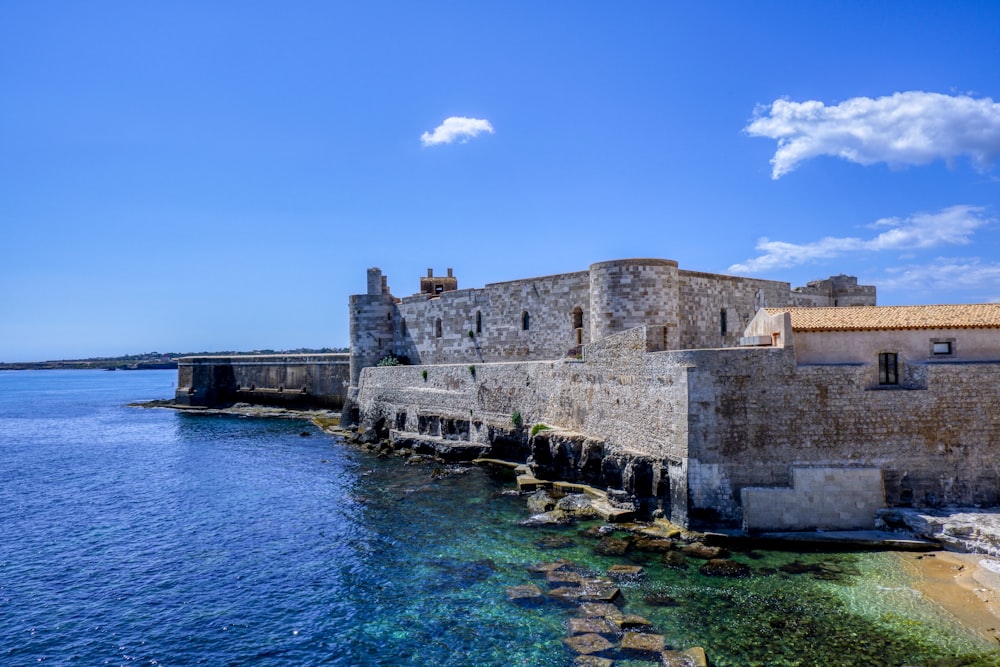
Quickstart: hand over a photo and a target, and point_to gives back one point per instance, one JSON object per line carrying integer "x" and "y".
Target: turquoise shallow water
{"x": 151, "y": 537}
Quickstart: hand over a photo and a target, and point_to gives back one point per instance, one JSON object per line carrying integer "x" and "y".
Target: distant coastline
{"x": 141, "y": 362}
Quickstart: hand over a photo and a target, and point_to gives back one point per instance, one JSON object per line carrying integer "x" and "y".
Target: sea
{"x": 132, "y": 536}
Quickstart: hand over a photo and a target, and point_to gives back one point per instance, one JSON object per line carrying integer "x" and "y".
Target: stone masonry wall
{"x": 551, "y": 316}
{"x": 726, "y": 420}
{"x": 548, "y": 303}
{"x": 303, "y": 380}
{"x": 703, "y": 297}
{"x": 755, "y": 417}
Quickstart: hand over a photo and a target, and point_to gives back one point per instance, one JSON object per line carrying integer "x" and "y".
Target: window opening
{"x": 437, "y": 328}
{"x": 525, "y": 321}
{"x": 942, "y": 347}
{"x": 722, "y": 321}
{"x": 888, "y": 368}
{"x": 479, "y": 322}
{"x": 578, "y": 318}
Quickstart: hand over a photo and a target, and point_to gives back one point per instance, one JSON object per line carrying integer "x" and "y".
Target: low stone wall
{"x": 288, "y": 380}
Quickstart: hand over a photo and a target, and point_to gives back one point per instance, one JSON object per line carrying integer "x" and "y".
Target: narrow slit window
{"x": 525, "y": 321}
{"x": 479, "y": 322}
{"x": 437, "y": 328}
{"x": 722, "y": 321}
{"x": 888, "y": 368}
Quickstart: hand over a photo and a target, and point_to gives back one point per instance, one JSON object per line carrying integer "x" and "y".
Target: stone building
{"x": 551, "y": 317}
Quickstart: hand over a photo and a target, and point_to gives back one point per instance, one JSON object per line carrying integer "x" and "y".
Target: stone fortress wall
{"x": 634, "y": 365}
{"x": 740, "y": 436}
{"x": 552, "y": 316}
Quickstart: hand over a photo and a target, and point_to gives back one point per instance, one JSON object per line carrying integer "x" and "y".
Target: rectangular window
{"x": 941, "y": 348}
{"x": 722, "y": 321}
{"x": 888, "y": 368}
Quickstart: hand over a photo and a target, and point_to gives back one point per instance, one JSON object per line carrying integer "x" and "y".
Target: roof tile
{"x": 871, "y": 318}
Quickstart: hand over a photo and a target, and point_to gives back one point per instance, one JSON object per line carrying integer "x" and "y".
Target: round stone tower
{"x": 628, "y": 293}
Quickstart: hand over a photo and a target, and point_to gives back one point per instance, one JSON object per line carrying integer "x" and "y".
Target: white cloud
{"x": 954, "y": 225}
{"x": 456, "y": 128}
{"x": 944, "y": 275}
{"x": 906, "y": 128}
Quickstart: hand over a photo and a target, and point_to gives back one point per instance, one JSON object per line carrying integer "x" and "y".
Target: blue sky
{"x": 202, "y": 176}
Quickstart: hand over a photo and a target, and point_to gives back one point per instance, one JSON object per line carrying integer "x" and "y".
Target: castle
{"x": 716, "y": 400}
{"x": 554, "y": 316}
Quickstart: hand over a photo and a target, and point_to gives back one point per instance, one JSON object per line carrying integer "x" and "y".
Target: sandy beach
{"x": 966, "y": 585}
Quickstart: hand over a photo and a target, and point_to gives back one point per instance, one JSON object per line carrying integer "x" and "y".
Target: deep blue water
{"x": 147, "y": 536}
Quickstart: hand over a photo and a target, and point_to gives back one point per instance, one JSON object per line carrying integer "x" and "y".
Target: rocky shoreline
{"x": 957, "y": 576}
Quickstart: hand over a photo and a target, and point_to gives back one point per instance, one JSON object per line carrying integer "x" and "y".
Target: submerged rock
{"x": 526, "y": 592}
{"x": 592, "y": 624}
{"x": 661, "y": 599}
{"x": 555, "y": 542}
{"x": 612, "y": 546}
{"x": 604, "y": 609}
{"x": 654, "y": 544}
{"x": 693, "y": 657}
{"x": 623, "y": 571}
{"x": 592, "y": 661}
{"x": 721, "y": 567}
{"x": 588, "y": 643}
{"x": 644, "y": 643}
{"x": 703, "y": 551}
{"x": 553, "y": 518}
{"x": 674, "y": 559}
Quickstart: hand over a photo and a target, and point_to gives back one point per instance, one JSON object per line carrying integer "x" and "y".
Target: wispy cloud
{"x": 951, "y": 226}
{"x": 456, "y": 128}
{"x": 944, "y": 274}
{"x": 908, "y": 128}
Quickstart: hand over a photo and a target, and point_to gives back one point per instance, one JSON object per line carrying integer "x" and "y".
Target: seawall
{"x": 288, "y": 380}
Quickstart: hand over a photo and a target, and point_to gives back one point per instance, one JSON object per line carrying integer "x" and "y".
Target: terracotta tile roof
{"x": 871, "y": 318}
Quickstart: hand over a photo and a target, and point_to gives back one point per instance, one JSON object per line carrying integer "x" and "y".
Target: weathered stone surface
{"x": 588, "y": 643}
{"x": 623, "y": 571}
{"x": 553, "y": 518}
{"x": 563, "y": 578}
{"x": 600, "y": 609}
{"x": 720, "y": 567}
{"x": 525, "y": 592}
{"x": 612, "y": 546}
{"x": 592, "y": 661}
{"x": 578, "y": 505}
{"x": 529, "y": 483}
{"x": 592, "y": 624}
{"x": 661, "y": 599}
{"x": 654, "y": 544}
{"x": 972, "y": 530}
{"x": 550, "y": 566}
{"x": 599, "y": 592}
{"x": 642, "y": 642}
{"x": 703, "y": 551}
{"x": 540, "y": 501}
{"x": 692, "y": 657}
{"x": 633, "y": 622}
{"x": 567, "y": 593}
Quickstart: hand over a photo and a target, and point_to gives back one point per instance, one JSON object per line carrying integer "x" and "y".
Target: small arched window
{"x": 525, "y": 321}
{"x": 437, "y": 328}
{"x": 479, "y": 322}
{"x": 578, "y": 318}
